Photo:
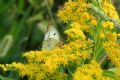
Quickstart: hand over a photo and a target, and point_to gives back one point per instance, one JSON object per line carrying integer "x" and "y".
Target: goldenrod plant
{"x": 90, "y": 52}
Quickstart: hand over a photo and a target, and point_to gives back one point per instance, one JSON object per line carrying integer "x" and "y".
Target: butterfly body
{"x": 51, "y": 39}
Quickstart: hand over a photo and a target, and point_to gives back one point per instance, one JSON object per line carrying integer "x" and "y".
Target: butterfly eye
{"x": 54, "y": 33}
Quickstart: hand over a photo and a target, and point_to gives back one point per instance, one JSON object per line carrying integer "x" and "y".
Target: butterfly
{"x": 51, "y": 39}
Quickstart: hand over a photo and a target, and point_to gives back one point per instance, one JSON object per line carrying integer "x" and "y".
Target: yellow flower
{"x": 75, "y": 32}
{"x": 73, "y": 11}
{"x": 113, "y": 51}
{"x": 112, "y": 36}
{"x": 118, "y": 72}
{"x": 108, "y": 25}
{"x": 109, "y": 9}
{"x": 89, "y": 71}
{"x": 86, "y": 16}
{"x": 94, "y": 22}
{"x": 102, "y": 35}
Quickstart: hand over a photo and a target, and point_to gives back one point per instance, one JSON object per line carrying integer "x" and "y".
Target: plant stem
{"x": 49, "y": 12}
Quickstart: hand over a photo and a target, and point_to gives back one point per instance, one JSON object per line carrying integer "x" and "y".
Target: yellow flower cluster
{"x": 91, "y": 71}
{"x": 82, "y": 20}
{"x": 108, "y": 24}
{"x": 76, "y": 11}
{"x": 76, "y": 31}
{"x": 45, "y": 64}
{"x": 118, "y": 72}
{"x": 34, "y": 71}
{"x": 93, "y": 21}
{"x": 110, "y": 36}
{"x": 110, "y": 10}
{"x": 80, "y": 48}
{"x": 113, "y": 51}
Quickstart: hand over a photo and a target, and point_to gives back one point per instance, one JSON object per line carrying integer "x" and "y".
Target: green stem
{"x": 97, "y": 39}
{"x": 49, "y": 12}
{"x": 96, "y": 33}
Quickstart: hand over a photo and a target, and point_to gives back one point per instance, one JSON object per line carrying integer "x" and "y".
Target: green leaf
{"x": 21, "y": 5}
{"x": 110, "y": 74}
{"x": 36, "y": 17}
{"x": 5, "y": 78}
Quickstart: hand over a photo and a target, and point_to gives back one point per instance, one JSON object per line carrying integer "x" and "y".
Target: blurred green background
{"x": 22, "y": 27}
{"x": 23, "y": 24}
